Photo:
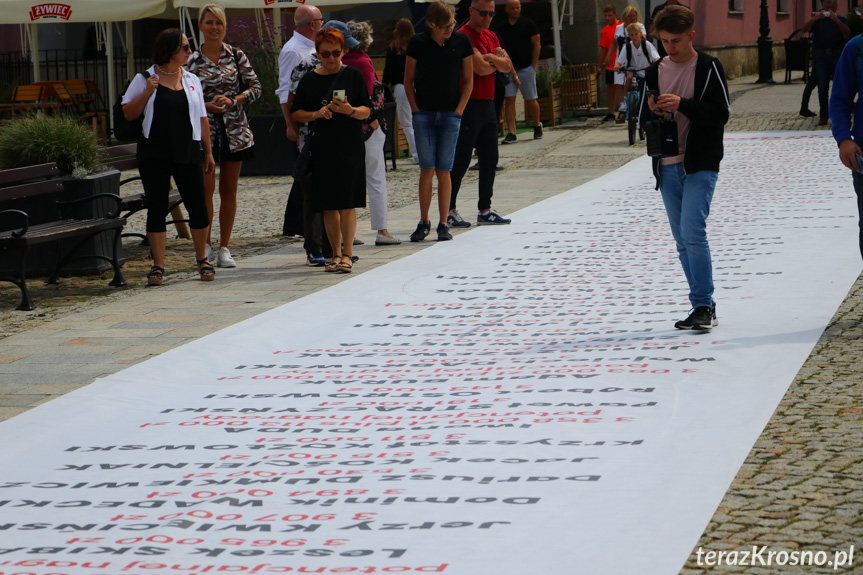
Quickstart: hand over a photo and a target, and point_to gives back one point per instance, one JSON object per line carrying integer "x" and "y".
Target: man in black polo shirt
{"x": 829, "y": 32}
{"x": 520, "y": 36}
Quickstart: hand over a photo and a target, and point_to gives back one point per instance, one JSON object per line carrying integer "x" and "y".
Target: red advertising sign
{"x": 50, "y": 11}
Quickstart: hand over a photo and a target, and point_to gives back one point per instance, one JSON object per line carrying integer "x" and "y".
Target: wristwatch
{"x": 353, "y": 111}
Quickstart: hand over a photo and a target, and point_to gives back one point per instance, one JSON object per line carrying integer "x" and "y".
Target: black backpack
{"x": 127, "y": 130}
{"x": 629, "y": 50}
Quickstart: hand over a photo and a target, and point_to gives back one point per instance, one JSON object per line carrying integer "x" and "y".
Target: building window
{"x": 782, "y": 6}
{"x": 735, "y": 5}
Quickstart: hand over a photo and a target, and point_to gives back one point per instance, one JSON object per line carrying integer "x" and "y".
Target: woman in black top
{"x": 174, "y": 130}
{"x": 438, "y": 84}
{"x": 324, "y": 96}
{"x": 394, "y": 77}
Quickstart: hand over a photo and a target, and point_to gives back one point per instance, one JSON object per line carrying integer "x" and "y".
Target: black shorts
{"x": 609, "y": 77}
{"x": 222, "y": 151}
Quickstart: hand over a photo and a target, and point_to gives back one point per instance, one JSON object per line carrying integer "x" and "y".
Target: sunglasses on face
{"x": 446, "y": 28}
{"x": 483, "y": 13}
{"x": 185, "y": 48}
{"x": 326, "y": 55}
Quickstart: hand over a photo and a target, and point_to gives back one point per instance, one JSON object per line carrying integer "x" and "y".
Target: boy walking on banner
{"x": 690, "y": 86}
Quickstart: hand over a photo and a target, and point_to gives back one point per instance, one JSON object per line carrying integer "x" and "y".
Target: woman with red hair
{"x": 333, "y": 100}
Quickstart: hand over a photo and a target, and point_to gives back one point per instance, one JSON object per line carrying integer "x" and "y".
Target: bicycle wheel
{"x": 631, "y": 112}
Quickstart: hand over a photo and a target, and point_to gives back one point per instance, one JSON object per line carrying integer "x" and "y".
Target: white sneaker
{"x": 224, "y": 259}
{"x": 211, "y": 255}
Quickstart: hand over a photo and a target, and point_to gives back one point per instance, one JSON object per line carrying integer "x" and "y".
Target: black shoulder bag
{"x": 127, "y": 130}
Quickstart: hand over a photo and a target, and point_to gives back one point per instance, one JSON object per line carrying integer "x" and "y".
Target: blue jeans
{"x": 687, "y": 204}
{"x": 824, "y": 65}
{"x": 858, "y": 189}
{"x": 435, "y": 135}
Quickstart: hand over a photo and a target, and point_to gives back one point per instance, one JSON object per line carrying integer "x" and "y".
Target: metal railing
{"x": 70, "y": 64}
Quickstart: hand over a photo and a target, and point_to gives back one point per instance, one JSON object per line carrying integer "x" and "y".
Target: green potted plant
{"x": 548, "y": 92}
{"x": 39, "y": 139}
{"x": 262, "y": 47}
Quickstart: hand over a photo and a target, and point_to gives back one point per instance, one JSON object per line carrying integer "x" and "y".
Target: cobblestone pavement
{"x": 800, "y": 486}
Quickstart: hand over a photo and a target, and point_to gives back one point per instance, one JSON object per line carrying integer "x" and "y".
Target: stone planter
{"x": 272, "y": 157}
{"x": 41, "y": 259}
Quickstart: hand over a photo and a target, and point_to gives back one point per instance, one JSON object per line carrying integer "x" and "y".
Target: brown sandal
{"x": 206, "y": 270}
{"x": 154, "y": 278}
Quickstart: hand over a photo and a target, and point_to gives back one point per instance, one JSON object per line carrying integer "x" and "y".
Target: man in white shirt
{"x": 307, "y": 22}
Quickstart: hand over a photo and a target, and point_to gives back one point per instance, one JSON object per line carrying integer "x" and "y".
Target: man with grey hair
{"x": 307, "y": 21}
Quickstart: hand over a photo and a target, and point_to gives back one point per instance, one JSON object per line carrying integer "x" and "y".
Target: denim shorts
{"x": 436, "y": 134}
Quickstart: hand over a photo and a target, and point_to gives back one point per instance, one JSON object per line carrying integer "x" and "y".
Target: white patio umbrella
{"x": 31, "y": 13}
{"x": 186, "y": 8}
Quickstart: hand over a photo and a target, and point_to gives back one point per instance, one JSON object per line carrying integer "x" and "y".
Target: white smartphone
{"x": 339, "y": 95}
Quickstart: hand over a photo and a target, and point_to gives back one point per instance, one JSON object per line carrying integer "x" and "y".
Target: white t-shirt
{"x": 637, "y": 59}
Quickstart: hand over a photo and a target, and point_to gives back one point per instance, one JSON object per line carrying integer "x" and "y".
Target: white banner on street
{"x": 515, "y": 401}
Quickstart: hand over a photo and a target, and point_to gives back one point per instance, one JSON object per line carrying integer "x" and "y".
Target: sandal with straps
{"x": 332, "y": 265}
{"x": 154, "y": 278}
{"x": 205, "y": 270}
{"x": 345, "y": 267}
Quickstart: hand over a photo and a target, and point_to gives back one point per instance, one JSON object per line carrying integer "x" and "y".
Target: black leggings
{"x": 156, "y": 178}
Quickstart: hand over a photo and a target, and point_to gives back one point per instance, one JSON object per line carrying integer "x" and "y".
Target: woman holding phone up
{"x": 333, "y": 99}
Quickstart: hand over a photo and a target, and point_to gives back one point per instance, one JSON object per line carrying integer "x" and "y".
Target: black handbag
{"x": 303, "y": 163}
{"x": 127, "y": 130}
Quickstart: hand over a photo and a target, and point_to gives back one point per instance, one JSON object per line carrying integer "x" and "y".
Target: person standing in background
{"x": 607, "y": 54}
{"x": 394, "y": 77}
{"x": 520, "y": 35}
{"x": 222, "y": 69}
{"x": 829, "y": 31}
{"x": 299, "y": 219}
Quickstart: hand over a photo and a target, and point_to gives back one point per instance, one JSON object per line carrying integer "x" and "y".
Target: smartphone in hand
{"x": 339, "y": 95}
{"x": 859, "y": 159}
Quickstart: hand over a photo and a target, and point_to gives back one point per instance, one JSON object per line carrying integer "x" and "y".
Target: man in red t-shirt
{"x": 479, "y": 123}
{"x": 607, "y": 56}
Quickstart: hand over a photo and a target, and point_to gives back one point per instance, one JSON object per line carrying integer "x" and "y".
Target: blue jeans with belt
{"x": 824, "y": 62}
{"x": 687, "y": 200}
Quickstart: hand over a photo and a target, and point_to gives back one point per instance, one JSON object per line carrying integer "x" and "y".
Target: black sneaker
{"x": 537, "y": 132}
{"x": 509, "y": 139}
{"x": 492, "y": 218}
{"x": 608, "y": 118}
{"x": 702, "y": 318}
{"x": 423, "y": 229}
{"x": 443, "y": 233}
{"x": 474, "y": 167}
{"x": 807, "y": 113}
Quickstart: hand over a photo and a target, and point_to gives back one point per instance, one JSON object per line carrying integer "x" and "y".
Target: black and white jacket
{"x": 708, "y": 113}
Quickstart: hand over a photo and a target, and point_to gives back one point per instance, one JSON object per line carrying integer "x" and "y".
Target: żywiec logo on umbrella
{"x": 62, "y": 11}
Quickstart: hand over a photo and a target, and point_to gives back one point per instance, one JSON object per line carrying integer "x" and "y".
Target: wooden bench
{"x": 122, "y": 158}
{"x": 16, "y": 233}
